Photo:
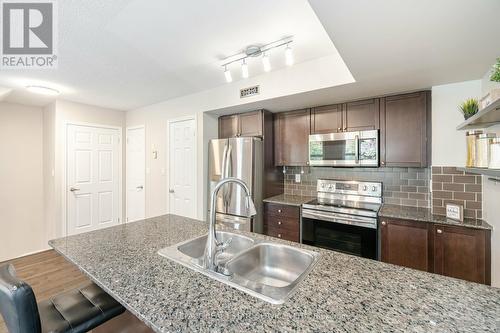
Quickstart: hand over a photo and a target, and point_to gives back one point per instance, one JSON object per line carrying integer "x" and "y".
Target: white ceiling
{"x": 127, "y": 54}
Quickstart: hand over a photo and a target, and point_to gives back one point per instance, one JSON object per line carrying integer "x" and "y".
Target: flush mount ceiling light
{"x": 43, "y": 90}
{"x": 256, "y": 51}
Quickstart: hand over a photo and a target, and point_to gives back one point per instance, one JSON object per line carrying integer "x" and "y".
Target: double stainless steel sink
{"x": 264, "y": 269}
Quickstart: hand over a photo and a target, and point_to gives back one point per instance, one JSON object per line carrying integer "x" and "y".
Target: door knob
{"x": 171, "y": 190}
{"x": 279, "y": 210}
{"x": 279, "y": 222}
{"x": 384, "y": 223}
{"x": 74, "y": 189}
{"x": 279, "y": 235}
{"x": 439, "y": 231}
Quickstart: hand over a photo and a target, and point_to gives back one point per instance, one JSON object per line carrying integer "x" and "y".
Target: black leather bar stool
{"x": 78, "y": 310}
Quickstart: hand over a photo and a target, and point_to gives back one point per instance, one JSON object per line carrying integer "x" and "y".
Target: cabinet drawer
{"x": 282, "y": 210}
{"x": 282, "y": 222}
{"x": 282, "y": 233}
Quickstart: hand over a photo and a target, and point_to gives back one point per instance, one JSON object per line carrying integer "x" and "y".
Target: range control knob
{"x": 365, "y": 188}
{"x": 374, "y": 188}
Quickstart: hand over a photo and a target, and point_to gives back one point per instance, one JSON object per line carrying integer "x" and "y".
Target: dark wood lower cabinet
{"x": 282, "y": 221}
{"x": 462, "y": 253}
{"x": 454, "y": 251}
{"x": 405, "y": 243}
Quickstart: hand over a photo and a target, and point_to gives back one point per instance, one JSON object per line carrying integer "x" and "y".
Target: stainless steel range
{"x": 343, "y": 217}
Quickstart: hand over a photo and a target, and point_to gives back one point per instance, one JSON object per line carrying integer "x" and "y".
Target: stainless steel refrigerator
{"x": 241, "y": 158}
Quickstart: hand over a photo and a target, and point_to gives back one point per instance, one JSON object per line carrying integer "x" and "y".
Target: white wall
{"x": 57, "y": 116}
{"x": 448, "y": 144}
{"x": 21, "y": 177}
{"x": 155, "y": 118}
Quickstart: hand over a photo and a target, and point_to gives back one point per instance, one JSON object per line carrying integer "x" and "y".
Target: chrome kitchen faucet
{"x": 213, "y": 246}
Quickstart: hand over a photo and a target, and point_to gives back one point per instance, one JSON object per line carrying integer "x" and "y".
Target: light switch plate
{"x": 455, "y": 212}
{"x": 297, "y": 178}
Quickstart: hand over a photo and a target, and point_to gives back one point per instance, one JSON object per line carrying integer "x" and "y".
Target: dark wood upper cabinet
{"x": 244, "y": 124}
{"x": 326, "y": 119}
{"x": 251, "y": 123}
{"x": 291, "y": 141}
{"x": 361, "y": 115}
{"x": 462, "y": 253}
{"x": 404, "y": 130}
{"x": 405, "y": 243}
{"x": 228, "y": 126}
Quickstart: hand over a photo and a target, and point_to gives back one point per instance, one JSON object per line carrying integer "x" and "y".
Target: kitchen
{"x": 285, "y": 200}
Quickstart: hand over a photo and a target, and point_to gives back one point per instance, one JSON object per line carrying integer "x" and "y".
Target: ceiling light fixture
{"x": 244, "y": 69}
{"x": 288, "y": 55}
{"x": 227, "y": 74}
{"x": 266, "y": 62}
{"x": 256, "y": 51}
{"x": 43, "y": 90}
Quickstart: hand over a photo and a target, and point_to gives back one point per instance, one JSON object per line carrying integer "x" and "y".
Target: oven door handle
{"x": 366, "y": 223}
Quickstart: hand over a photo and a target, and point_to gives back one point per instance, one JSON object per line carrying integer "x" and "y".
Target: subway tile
{"x": 423, "y": 203}
{"x": 442, "y": 195}
{"x": 408, "y": 189}
{"x": 473, "y": 188}
{"x": 467, "y": 179}
{"x": 453, "y": 202}
{"x": 402, "y": 195}
{"x": 418, "y": 196}
{"x": 409, "y": 202}
{"x": 417, "y": 182}
{"x": 422, "y": 189}
{"x": 470, "y": 213}
{"x": 479, "y": 214}
{"x": 392, "y": 201}
{"x": 464, "y": 196}
{"x": 452, "y": 171}
{"x": 479, "y": 197}
{"x": 442, "y": 178}
{"x": 473, "y": 205}
{"x": 453, "y": 187}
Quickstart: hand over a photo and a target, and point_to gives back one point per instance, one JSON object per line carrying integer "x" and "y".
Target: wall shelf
{"x": 487, "y": 172}
{"x": 486, "y": 117}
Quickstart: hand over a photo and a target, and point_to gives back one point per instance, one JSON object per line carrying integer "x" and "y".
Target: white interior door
{"x": 182, "y": 175}
{"x": 136, "y": 170}
{"x": 93, "y": 178}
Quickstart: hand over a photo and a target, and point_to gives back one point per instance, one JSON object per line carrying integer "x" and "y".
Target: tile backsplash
{"x": 401, "y": 186}
{"x": 450, "y": 185}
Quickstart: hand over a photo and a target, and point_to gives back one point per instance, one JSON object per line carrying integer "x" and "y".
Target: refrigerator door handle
{"x": 227, "y": 189}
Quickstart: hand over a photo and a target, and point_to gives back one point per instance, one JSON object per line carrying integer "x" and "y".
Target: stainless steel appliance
{"x": 241, "y": 158}
{"x": 343, "y": 217}
{"x": 349, "y": 149}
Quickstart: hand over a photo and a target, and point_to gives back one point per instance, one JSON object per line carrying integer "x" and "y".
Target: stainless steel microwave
{"x": 348, "y": 149}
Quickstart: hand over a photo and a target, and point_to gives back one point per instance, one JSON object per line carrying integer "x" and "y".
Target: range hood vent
{"x": 250, "y": 91}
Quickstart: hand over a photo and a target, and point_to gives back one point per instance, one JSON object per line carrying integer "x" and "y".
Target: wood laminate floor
{"x": 49, "y": 274}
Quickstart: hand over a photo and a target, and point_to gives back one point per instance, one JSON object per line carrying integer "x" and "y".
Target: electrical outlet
{"x": 297, "y": 178}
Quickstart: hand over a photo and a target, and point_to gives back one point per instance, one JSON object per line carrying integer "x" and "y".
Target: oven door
{"x": 342, "y": 233}
{"x": 348, "y": 149}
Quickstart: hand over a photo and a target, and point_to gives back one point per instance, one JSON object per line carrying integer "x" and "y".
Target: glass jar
{"x": 495, "y": 153}
{"x": 483, "y": 149}
{"x": 471, "y": 138}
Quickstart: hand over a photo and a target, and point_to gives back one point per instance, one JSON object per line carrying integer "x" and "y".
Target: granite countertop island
{"x": 425, "y": 215}
{"x": 343, "y": 293}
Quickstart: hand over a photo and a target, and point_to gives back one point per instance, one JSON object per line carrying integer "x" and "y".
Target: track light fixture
{"x": 256, "y": 51}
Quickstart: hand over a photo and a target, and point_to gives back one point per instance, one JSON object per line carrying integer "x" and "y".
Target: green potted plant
{"x": 469, "y": 108}
{"x": 495, "y": 75}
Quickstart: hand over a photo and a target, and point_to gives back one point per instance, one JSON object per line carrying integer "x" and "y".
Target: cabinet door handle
{"x": 279, "y": 210}
{"x": 345, "y": 129}
{"x": 279, "y": 235}
{"x": 384, "y": 223}
{"x": 439, "y": 231}
{"x": 383, "y": 163}
{"x": 339, "y": 129}
{"x": 279, "y": 222}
